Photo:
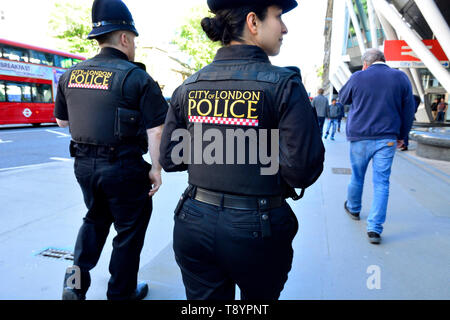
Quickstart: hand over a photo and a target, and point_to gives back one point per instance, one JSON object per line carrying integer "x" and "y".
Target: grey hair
{"x": 373, "y": 55}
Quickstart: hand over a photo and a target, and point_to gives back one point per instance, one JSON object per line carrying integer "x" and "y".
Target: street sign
{"x": 400, "y": 55}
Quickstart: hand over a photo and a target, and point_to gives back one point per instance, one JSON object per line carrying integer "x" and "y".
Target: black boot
{"x": 70, "y": 290}
{"x": 140, "y": 292}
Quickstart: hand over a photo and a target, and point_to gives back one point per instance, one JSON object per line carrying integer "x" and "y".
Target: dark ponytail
{"x": 228, "y": 24}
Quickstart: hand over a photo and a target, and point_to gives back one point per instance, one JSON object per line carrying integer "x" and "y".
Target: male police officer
{"x": 232, "y": 224}
{"x": 112, "y": 106}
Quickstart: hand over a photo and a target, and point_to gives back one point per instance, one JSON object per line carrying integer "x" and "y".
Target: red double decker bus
{"x": 28, "y": 80}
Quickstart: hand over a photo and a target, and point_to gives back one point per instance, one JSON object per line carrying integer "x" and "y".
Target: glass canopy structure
{"x": 361, "y": 24}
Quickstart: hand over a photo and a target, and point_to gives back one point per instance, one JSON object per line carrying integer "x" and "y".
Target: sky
{"x": 157, "y": 21}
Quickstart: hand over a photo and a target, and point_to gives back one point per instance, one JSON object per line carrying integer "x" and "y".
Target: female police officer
{"x": 232, "y": 224}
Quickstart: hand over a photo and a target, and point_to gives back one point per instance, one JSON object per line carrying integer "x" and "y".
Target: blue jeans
{"x": 333, "y": 124}
{"x": 381, "y": 152}
{"x": 440, "y": 116}
{"x": 339, "y": 123}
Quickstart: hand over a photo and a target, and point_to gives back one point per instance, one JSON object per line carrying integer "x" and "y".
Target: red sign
{"x": 399, "y": 50}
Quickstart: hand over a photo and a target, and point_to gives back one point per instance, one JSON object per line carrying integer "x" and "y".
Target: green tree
{"x": 70, "y": 22}
{"x": 192, "y": 40}
{"x": 319, "y": 71}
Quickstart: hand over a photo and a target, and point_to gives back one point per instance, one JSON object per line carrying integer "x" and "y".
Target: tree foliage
{"x": 70, "y": 22}
{"x": 319, "y": 71}
{"x": 192, "y": 40}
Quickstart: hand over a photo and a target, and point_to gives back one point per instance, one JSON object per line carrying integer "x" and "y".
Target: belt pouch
{"x": 183, "y": 198}
{"x": 127, "y": 123}
{"x": 72, "y": 149}
{"x": 264, "y": 217}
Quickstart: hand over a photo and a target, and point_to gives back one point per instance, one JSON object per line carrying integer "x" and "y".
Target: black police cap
{"x": 215, "y": 5}
{"x": 109, "y": 16}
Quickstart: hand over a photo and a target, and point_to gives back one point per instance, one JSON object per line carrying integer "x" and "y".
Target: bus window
{"x": 18, "y": 92}
{"x": 2, "y": 92}
{"x": 63, "y": 62}
{"x": 16, "y": 54}
{"x": 26, "y": 93}
{"x": 41, "y": 58}
{"x": 42, "y": 93}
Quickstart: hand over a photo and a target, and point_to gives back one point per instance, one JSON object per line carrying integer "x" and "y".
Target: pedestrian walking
{"x": 333, "y": 113}
{"x": 441, "y": 109}
{"x": 381, "y": 114}
{"x": 434, "y": 108}
{"x": 320, "y": 103}
{"x": 115, "y": 111}
{"x": 232, "y": 224}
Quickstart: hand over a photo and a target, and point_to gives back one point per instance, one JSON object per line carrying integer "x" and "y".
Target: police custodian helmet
{"x": 215, "y": 5}
{"x": 109, "y": 16}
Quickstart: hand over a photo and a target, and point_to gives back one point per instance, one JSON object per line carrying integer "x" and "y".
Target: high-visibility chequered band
{"x": 229, "y": 121}
{"x": 87, "y": 86}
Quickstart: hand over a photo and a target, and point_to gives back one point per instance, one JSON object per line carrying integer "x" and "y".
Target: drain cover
{"x": 342, "y": 171}
{"x": 57, "y": 254}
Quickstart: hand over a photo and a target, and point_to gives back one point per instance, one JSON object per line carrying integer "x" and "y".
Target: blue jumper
{"x": 382, "y": 104}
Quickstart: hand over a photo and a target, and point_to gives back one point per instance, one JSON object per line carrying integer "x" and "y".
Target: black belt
{"x": 102, "y": 151}
{"x": 236, "y": 202}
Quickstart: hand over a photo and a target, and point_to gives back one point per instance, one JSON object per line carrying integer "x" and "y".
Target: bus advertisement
{"x": 28, "y": 82}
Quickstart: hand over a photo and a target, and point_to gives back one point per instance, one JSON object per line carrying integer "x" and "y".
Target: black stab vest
{"x": 254, "y": 91}
{"x": 93, "y": 92}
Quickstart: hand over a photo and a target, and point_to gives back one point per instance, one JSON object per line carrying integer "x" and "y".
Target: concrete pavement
{"x": 42, "y": 207}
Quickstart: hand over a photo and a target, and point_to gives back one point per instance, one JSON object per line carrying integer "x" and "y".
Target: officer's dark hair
{"x": 110, "y": 37}
{"x": 107, "y": 38}
{"x": 228, "y": 24}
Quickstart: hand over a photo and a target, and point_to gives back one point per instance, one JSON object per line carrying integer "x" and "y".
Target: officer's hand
{"x": 155, "y": 180}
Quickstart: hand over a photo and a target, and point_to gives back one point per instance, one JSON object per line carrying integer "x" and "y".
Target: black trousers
{"x": 321, "y": 121}
{"x": 218, "y": 248}
{"x": 115, "y": 192}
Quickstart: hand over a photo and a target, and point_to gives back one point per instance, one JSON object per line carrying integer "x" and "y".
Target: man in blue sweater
{"x": 381, "y": 114}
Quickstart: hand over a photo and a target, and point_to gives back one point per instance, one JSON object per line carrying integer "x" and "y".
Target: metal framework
{"x": 394, "y": 27}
